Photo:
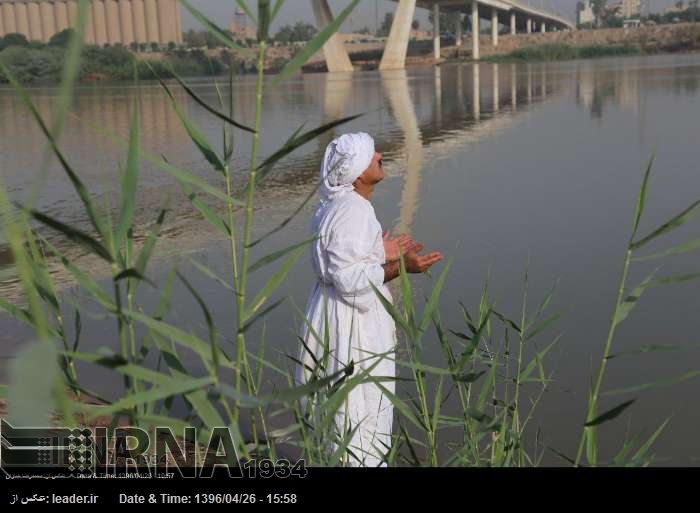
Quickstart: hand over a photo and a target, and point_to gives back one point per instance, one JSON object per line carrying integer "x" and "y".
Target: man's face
{"x": 375, "y": 172}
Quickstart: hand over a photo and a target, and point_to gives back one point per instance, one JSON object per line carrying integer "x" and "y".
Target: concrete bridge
{"x": 509, "y": 13}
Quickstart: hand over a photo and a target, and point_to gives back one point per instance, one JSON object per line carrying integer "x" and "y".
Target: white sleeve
{"x": 353, "y": 263}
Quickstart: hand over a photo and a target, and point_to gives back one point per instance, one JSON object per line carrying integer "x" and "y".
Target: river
{"x": 503, "y": 167}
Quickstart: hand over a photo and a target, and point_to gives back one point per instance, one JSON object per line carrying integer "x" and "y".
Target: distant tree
{"x": 301, "y": 31}
{"x": 679, "y": 5}
{"x": 304, "y": 31}
{"x": 210, "y": 40}
{"x": 172, "y": 46}
{"x": 143, "y": 47}
{"x": 415, "y": 24}
{"x": 364, "y": 30}
{"x": 13, "y": 39}
{"x": 62, "y": 38}
{"x": 385, "y": 27}
{"x": 134, "y": 46}
{"x": 155, "y": 47}
{"x": 194, "y": 39}
{"x": 598, "y": 7}
{"x": 447, "y": 21}
{"x": 285, "y": 34}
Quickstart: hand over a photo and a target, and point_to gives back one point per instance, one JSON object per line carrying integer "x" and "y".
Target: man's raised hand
{"x": 416, "y": 263}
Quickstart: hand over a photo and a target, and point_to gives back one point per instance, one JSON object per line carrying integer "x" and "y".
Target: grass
{"x": 476, "y": 407}
{"x": 562, "y": 52}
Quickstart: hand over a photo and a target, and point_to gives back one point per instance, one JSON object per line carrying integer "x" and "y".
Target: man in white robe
{"x": 350, "y": 256}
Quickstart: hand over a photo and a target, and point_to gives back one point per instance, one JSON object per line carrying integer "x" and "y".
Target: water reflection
{"x": 418, "y": 128}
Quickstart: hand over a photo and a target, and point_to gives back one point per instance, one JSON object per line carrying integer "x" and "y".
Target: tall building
{"x": 108, "y": 21}
{"x": 239, "y": 26}
{"x": 584, "y": 12}
{"x": 630, "y": 8}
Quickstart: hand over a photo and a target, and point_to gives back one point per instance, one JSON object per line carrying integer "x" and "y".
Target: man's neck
{"x": 364, "y": 190}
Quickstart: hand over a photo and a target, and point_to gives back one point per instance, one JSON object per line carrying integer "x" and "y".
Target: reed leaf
{"x": 655, "y": 384}
{"x": 129, "y": 181}
{"x": 247, "y": 11}
{"x": 209, "y": 108}
{"x": 431, "y": 307}
{"x": 147, "y": 249}
{"x": 314, "y": 45}
{"x": 296, "y": 141}
{"x": 73, "y": 234}
{"x": 669, "y": 225}
{"x": 641, "y": 452}
{"x": 183, "y": 338}
{"x": 272, "y": 284}
{"x": 161, "y": 163}
{"x": 287, "y": 220}
{"x": 263, "y": 19}
{"x": 18, "y": 313}
{"x": 275, "y": 9}
{"x": 174, "y": 388}
{"x": 279, "y": 254}
{"x": 641, "y": 199}
{"x": 610, "y": 414}
{"x": 255, "y": 318}
{"x": 196, "y": 135}
{"x": 208, "y": 213}
{"x": 211, "y": 274}
{"x": 675, "y": 250}
{"x": 676, "y": 278}
{"x": 214, "y": 29}
{"x": 628, "y": 304}
{"x": 87, "y": 283}
{"x": 207, "y": 318}
{"x": 78, "y": 185}
{"x": 391, "y": 309}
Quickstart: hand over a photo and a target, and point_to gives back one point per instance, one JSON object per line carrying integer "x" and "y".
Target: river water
{"x": 503, "y": 167}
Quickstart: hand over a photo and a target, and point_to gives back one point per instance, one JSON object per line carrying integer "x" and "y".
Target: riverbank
{"x": 564, "y": 52}
{"x": 42, "y": 64}
{"x": 676, "y": 38}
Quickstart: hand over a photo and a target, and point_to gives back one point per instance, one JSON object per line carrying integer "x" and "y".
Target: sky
{"x": 368, "y": 13}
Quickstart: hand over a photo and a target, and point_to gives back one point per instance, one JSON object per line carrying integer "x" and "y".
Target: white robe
{"x": 348, "y": 257}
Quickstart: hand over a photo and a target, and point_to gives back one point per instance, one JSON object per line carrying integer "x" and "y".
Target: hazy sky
{"x": 366, "y": 13}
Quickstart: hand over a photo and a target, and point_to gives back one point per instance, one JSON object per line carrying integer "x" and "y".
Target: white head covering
{"x": 346, "y": 158}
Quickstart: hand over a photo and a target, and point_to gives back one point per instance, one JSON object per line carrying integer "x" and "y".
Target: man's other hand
{"x": 393, "y": 248}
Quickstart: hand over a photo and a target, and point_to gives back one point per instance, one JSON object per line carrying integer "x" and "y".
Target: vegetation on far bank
{"x": 33, "y": 62}
{"x": 562, "y": 52}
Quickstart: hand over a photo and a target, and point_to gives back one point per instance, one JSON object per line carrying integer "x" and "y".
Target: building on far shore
{"x": 584, "y": 12}
{"x": 239, "y": 26}
{"x": 108, "y": 21}
{"x": 630, "y": 8}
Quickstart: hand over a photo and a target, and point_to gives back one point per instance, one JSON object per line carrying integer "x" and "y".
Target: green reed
{"x": 487, "y": 368}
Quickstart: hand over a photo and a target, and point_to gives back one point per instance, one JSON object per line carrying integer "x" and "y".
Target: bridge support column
{"x": 436, "y": 31}
{"x": 543, "y": 27}
{"x": 528, "y": 25}
{"x": 458, "y": 30}
{"x": 496, "y": 88}
{"x": 394, "y": 56}
{"x": 494, "y": 26}
{"x": 475, "y": 30}
{"x": 476, "y": 93}
{"x": 512, "y": 23}
{"x": 336, "y": 56}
